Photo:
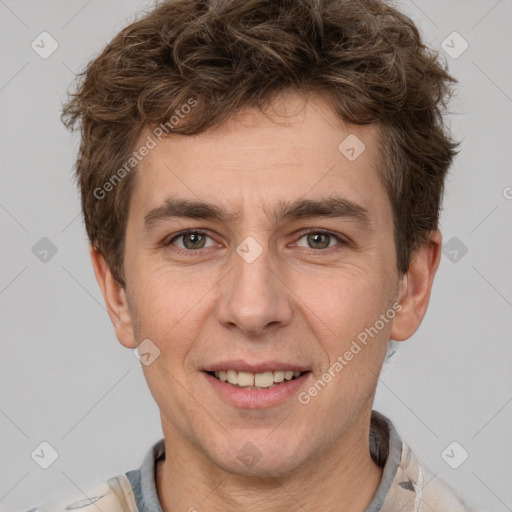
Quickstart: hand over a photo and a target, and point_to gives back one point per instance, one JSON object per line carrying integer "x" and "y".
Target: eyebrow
{"x": 333, "y": 207}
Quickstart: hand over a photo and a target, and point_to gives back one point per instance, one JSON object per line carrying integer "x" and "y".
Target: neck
{"x": 343, "y": 478}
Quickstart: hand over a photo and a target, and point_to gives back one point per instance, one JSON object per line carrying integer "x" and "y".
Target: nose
{"x": 254, "y": 297}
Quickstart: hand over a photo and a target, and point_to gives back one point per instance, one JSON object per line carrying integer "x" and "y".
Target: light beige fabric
{"x": 415, "y": 489}
{"x": 115, "y": 495}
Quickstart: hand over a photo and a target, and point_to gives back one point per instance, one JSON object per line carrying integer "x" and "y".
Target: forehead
{"x": 298, "y": 148}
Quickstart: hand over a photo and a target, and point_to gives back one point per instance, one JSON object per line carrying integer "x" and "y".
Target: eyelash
{"x": 190, "y": 252}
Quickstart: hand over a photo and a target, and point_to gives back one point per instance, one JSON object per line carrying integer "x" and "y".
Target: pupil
{"x": 316, "y": 238}
{"x": 195, "y": 239}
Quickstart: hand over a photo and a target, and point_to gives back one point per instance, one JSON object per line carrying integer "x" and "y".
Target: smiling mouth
{"x": 248, "y": 380}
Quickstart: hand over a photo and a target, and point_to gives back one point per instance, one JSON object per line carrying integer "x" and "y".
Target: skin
{"x": 297, "y": 302}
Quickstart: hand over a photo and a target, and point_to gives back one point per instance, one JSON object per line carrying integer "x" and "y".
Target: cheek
{"x": 354, "y": 348}
{"x": 342, "y": 313}
{"x": 169, "y": 305}
{"x": 345, "y": 300}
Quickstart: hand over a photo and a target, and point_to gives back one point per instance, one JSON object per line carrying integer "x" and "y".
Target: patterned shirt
{"x": 406, "y": 486}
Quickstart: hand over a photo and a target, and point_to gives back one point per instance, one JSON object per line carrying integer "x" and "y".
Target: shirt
{"x": 406, "y": 486}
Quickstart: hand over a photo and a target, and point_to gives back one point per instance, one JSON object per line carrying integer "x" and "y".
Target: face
{"x": 258, "y": 247}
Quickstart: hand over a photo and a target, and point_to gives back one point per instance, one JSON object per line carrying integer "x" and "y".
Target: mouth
{"x": 256, "y": 381}
{"x": 256, "y": 385}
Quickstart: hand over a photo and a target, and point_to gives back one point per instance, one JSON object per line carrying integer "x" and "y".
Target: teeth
{"x": 245, "y": 379}
{"x": 255, "y": 380}
{"x": 264, "y": 380}
{"x": 278, "y": 376}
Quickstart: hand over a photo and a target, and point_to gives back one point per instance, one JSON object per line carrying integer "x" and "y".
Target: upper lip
{"x": 244, "y": 366}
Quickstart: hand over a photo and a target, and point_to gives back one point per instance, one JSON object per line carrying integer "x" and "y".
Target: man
{"x": 261, "y": 184}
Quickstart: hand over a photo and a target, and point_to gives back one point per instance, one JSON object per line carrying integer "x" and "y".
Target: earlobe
{"x": 415, "y": 288}
{"x": 115, "y": 299}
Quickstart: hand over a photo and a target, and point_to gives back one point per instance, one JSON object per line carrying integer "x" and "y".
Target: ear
{"x": 115, "y": 300}
{"x": 415, "y": 288}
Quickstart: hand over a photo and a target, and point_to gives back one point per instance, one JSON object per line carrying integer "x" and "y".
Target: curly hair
{"x": 363, "y": 56}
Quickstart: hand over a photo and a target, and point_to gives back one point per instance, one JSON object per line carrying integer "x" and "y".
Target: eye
{"x": 320, "y": 240}
{"x": 191, "y": 240}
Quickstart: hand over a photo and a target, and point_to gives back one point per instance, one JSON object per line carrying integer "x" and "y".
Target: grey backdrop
{"x": 65, "y": 379}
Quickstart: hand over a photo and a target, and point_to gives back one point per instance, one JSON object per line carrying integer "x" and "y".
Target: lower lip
{"x": 256, "y": 398}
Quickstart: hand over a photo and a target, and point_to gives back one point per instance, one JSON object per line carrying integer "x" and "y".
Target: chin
{"x": 260, "y": 459}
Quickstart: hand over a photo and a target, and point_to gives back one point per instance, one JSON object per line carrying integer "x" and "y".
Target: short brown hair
{"x": 366, "y": 58}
